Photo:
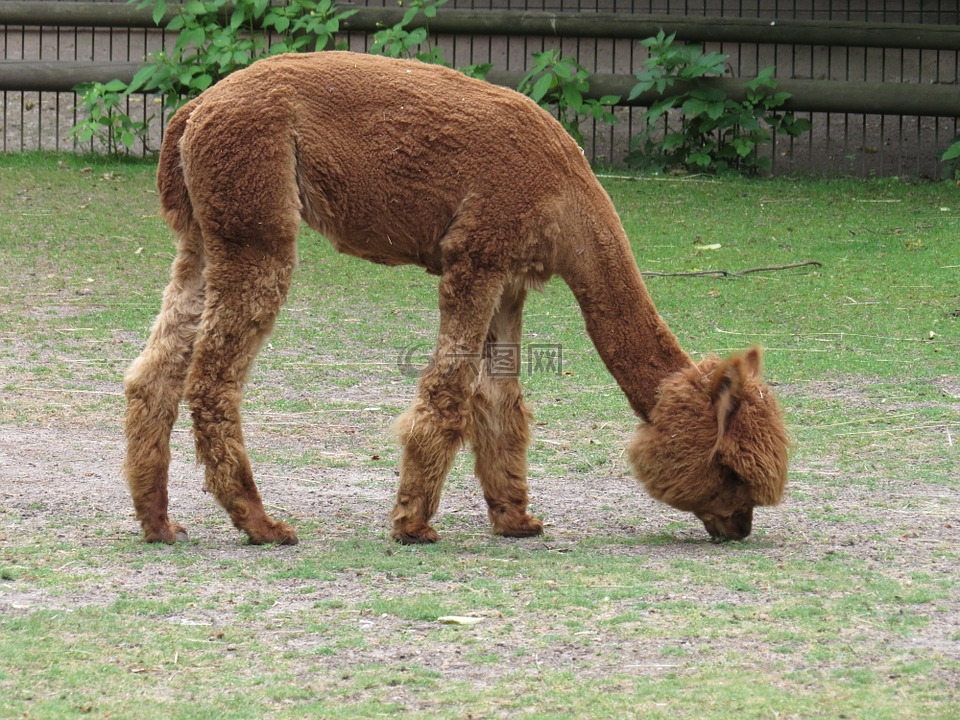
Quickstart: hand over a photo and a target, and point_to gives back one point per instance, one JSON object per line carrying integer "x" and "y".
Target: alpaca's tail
{"x": 174, "y": 199}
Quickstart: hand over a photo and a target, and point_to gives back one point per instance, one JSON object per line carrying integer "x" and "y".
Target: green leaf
{"x": 193, "y": 36}
{"x": 416, "y": 37}
{"x": 712, "y": 95}
{"x": 541, "y": 87}
{"x": 638, "y": 90}
{"x": 765, "y": 77}
{"x": 159, "y": 10}
{"x": 673, "y": 140}
{"x": 572, "y": 97}
{"x": 778, "y": 99}
{"x": 115, "y": 86}
{"x": 202, "y": 82}
{"x": 142, "y": 78}
{"x": 479, "y": 70}
{"x": 700, "y": 159}
{"x": 715, "y": 110}
{"x": 951, "y": 153}
{"x": 657, "y": 110}
{"x": 694, "y": 106}
{"x": 742, "y": 147}
{"x": 195, "y": 7}
{"x": 237, "y": 18}
{"x": 714, "y": 62}
{"x": 749, "y": 122}
{"x": 565, "y": 70}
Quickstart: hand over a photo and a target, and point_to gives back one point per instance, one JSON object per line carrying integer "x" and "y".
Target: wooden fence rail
{"x": 538, "y": 23}
{"x": 806, "y": 95}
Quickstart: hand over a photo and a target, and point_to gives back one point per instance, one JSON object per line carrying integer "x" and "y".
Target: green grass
{"x": 842, "y": 604}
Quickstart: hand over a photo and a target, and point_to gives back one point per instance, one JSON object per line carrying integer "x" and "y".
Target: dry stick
{"x": 728, "y": 273}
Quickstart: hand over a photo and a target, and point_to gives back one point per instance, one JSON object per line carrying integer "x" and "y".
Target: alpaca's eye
{"x": 732, "y": 477}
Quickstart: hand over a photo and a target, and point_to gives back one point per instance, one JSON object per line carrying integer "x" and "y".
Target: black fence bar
{"x": 539, "y": 23}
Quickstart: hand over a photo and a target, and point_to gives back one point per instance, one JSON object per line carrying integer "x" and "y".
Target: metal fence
{"x": 840, "y": 143}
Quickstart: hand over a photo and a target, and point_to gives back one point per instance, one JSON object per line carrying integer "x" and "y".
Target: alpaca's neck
{"x": 633, "y": 340}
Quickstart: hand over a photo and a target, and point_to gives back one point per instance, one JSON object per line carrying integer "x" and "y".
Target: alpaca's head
{"x": 715, "y": 444}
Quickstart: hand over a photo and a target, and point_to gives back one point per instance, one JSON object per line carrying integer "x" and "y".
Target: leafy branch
{"x": 563, "y": 83}
{"x": 716, "y": 133}
{"x": 214, "y": 39}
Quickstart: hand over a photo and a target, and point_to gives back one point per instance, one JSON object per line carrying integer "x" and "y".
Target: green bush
{"x": 561, "y": 83}
{"x": 218, "y": 37}
{"x": 215, "y": 38}
{"x": 398, "y": 41}
{"x": 101, "y": 104}
{"x": 716, "y": 133}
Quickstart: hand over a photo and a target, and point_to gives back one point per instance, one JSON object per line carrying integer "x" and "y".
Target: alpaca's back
{"x": 379, "y": 155}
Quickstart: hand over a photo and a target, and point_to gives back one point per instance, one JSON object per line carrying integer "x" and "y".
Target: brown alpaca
{"x": 399, "y": 162}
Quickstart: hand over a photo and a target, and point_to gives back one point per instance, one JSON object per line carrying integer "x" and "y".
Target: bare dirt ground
{"x": 64, "y": 482}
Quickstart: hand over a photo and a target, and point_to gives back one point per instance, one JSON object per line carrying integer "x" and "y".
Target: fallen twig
{"x": 730, "y": 273}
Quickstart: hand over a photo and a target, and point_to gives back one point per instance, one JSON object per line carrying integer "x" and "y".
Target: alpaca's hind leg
{"x": 246, "y": 285}
{"x": 154, "y": 386}
{"x": 436, "y": 426}
{"x": 500, "y": 430}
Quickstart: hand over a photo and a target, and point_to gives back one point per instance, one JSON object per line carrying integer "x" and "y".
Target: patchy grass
{"x": 843, "y": 603}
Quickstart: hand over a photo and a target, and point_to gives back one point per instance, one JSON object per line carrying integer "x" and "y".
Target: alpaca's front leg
{"x": 500, "y": 427}
{"x": 430, "y": 434}
{"x": 430, "y": 438}
{"x": 500, "y": 433}
{"x": 436, "y": 426}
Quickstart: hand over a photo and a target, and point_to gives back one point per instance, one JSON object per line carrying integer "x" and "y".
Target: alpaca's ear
{"x": 751, "y": 361}
{"x": 726, "y": 385}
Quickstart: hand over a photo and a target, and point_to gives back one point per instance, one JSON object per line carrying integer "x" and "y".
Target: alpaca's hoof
{"x": 277, "y": 533}
{"x": 527, "y": 526}
{"x": 170, "y": 534}
{"x": 415, "y": 534}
